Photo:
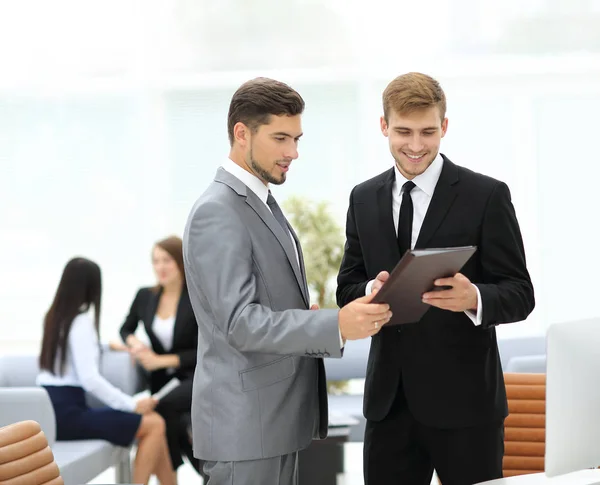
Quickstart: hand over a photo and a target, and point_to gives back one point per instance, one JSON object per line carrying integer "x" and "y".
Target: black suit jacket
{"x": 185, "y": 333}
{"x": 448, "y": 369}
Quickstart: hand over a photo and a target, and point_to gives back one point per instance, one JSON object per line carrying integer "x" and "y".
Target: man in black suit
{"x": 434, "y": 391}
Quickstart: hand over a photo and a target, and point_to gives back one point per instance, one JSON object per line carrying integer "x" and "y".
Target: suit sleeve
{"x": 131, "y": 322}
{"x": 506, "y": 291}
{"x": 352, "y": 278}
{"x": 189, "y": 356}
{"x": 220, "y": 259}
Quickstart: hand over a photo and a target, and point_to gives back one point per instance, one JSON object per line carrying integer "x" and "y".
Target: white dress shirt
{"x": 82, "y": 367}
{"x": 421, "y": 196}
{"x": 262, "y": 192}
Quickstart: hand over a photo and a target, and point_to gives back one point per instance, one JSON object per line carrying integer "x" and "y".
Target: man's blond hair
{"x": 413, "y": 92}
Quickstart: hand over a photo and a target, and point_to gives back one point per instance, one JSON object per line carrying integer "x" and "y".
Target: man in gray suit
{"x": 259, "y": 388}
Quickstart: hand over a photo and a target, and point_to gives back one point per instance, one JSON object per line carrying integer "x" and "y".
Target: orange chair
{"x": 525, "y": 426}
{"x": 25, "y": 457}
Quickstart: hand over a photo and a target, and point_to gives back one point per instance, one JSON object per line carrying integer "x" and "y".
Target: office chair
{"x": 25, "y": 457}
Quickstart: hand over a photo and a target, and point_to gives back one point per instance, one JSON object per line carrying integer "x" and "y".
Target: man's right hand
{"x": 379, "y": 280}
{"x": 377, "y": 283}
{"x": 361, "y": 318}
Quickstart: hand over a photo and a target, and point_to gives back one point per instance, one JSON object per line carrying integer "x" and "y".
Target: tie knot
{"x": 408, "y": 186}
{"x": 271, "y": 199}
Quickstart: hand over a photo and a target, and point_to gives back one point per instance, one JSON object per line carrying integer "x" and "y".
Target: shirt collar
{"x": 248, "y": 179}
{"x": 425, "y": 181}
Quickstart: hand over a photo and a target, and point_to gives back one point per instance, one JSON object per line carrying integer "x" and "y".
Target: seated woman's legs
{"x": 152, "y": 455}
{"x": 185, "y": 443}
{"x": 171, "y": 407}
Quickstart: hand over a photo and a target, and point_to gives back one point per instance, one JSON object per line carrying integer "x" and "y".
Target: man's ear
{"x": 444, "y": 127}
{"x": 241, "y": 134}
{"x": 384, "y": 126}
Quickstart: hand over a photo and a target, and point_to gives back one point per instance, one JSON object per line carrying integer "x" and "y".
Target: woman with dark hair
{"x": 169, "y": 321}
{"x": 69, "y": 364}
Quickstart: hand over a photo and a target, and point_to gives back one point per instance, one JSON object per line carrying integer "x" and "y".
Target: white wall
{"x": 103, "y": 157}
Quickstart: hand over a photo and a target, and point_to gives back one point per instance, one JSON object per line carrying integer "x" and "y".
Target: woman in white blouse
{"x": 69, "y": 364}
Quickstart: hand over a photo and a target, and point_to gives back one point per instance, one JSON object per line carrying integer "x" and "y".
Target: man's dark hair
{"x": 256, "y": 100}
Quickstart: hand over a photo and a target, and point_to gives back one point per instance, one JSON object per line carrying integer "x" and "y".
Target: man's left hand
{"x": 461, "y": 297}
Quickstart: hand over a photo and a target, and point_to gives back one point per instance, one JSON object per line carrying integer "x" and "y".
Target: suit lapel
{"x": 443, "y": 196}
{"x": 386, "y": 218}
{"x": 269, "y": 220}
{"x": 284, "y": 239}
{"x": 149, "y": 320}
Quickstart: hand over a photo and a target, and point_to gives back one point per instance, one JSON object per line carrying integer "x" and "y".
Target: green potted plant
{"x": 322, "y": 243}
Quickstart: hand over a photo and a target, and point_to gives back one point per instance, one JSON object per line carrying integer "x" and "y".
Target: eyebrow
{"x": 282, "y": 133}
{"x": 427, "y": 128}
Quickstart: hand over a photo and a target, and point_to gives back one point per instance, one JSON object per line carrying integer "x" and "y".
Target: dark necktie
{"x": 405, "y": 219}
{"x": 276, "y": 210}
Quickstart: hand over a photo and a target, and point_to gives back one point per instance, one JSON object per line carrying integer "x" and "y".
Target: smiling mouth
{"x": 284, "y": 166}
{"x": 414, "y": 158}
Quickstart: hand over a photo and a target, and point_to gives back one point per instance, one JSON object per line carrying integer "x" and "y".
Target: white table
{"x": 583, "y": 477}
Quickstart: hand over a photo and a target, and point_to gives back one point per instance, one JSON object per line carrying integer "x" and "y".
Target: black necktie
{"x": 405, "y": 219}
{"x": 276, "y": 210}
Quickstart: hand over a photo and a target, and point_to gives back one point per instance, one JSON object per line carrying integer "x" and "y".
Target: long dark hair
{"x": 80, "y": 287}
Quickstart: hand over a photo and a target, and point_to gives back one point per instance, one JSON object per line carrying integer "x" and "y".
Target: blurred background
{"x": 113, "y": 121}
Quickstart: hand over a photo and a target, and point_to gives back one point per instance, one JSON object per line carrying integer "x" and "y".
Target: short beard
{"x": 262, "y": 173}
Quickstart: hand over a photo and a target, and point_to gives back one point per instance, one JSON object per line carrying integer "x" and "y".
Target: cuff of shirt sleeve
{"x": 476, "y": 318}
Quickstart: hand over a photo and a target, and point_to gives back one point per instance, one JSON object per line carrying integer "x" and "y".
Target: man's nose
{"x": 291, "y": 153}
{"x": 416, "y": 144}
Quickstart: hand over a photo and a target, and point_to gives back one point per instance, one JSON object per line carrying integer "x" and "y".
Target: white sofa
{"x": 78, "y": 461}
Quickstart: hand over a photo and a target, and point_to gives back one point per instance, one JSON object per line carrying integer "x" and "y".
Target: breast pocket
{"x": 267, "y": 374}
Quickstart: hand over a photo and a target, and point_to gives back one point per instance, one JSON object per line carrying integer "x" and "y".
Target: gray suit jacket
{"x": 259, "y": 386}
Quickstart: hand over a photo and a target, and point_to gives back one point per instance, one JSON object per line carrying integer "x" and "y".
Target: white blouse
{"x": 163, "y": 329}
{"x": 82, "y": 367}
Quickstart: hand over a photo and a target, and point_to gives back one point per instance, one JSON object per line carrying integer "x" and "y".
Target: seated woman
{"x": 169, "y": 321}
{"x": 69, "y": 364}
